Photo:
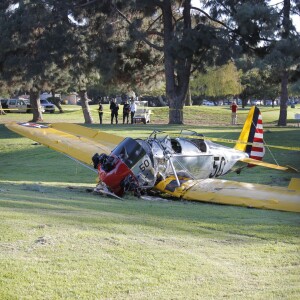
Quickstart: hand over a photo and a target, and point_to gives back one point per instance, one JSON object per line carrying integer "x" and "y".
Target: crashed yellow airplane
{"x": 184, "y": 167}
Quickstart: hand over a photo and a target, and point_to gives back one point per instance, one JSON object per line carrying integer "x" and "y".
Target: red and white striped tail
{"x": 257, "y": 150}
{"x": 251, "y": 137}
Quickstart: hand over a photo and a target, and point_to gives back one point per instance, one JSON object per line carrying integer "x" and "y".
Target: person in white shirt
{"x": 132, "y": 109}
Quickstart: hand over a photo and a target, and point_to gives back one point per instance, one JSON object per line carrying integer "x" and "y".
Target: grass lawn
{"x": 59, "y": 241}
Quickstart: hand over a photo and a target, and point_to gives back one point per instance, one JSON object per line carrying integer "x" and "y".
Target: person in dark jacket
{"x": 126, "y": 111}
{"x": 114, "y": 108}
{"x": 100, "y": 112}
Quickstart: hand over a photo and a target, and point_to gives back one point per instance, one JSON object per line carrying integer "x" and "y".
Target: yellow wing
{"x": 268, "y": 165}
{"x": 235, "y": 193}
{"x": 73, "y": 140}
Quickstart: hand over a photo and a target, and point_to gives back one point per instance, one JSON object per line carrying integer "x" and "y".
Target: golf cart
{"x": 142, "y": 114}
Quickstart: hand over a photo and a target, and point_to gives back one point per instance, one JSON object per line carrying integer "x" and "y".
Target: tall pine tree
{"x": 44, "y": 49}
{"x": 190, "y": 37}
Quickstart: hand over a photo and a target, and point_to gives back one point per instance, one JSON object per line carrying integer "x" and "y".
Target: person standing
{"x": 100, "y": 111}
{"x": 114, "y": 108}
{"x": 132, "y": 109}
{"x": 234, "y": 109}
{"x": 126, "y": 111}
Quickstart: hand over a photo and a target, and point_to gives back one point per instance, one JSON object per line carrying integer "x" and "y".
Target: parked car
{"x": 255, "y": 102}
{"x": 270, "y": 102}
{"x": 48, "y": 107}
{"x": 15, "y": 105}
{"x": 208, "y": 102}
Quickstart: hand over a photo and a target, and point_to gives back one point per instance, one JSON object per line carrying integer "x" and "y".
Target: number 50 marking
{"x": 144, "y": 165}
{"x": 218, "y": 168}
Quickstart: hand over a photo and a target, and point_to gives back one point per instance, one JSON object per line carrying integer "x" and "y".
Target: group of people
{"x": 128, "y": 109}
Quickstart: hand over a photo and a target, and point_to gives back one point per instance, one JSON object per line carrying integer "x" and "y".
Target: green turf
{"x": 193, "y": 115}
{"x": 59, "y": 241}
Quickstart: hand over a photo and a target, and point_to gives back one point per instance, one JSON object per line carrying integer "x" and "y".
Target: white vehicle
{"x": 255, "y": 102}
{"x": 17, "y": 105}
{"x": 142, "y": 114}
{"x": 48, "y": 106}
{"x": 27, "y": 101}
{"x": 208, "y": 102}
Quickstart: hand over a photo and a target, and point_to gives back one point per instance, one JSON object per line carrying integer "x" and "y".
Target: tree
{"x": 108, "y": 38}
{"x": 43, "y": 49}
{"x": 29, "y": 56}
{"x": 295, "y": 88}
{"x": 285, "y": 56}
{"x": 191, "y": 38}
{"x": 217, "y": 82}
{"x": 277, "y": 55}
{"x": 183, "y": 39}
{"x": 259, "y": 84}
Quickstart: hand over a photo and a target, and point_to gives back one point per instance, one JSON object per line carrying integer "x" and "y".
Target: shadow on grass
{"x": 73, "y": 204}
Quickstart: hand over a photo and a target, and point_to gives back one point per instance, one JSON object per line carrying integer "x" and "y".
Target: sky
{"x": 296, "y": 19}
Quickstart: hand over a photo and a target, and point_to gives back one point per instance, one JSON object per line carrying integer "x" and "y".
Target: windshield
{"x": 129, "y": 151}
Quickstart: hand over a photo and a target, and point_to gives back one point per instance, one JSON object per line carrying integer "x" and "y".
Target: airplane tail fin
{"x": 251, "y": 137}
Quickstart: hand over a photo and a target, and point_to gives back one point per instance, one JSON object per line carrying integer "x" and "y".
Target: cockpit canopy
{"x": 129, "y": 151}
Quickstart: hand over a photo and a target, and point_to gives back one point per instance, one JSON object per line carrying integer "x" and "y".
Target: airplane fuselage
{"x": 198, "y": 158}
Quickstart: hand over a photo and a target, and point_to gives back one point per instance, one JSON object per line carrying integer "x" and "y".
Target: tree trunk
{"x": 283, "y": 99}
{"x": 161, "y": 101}
{"x": 36, "y": 106}
{"x": 176, "y": 86}
{"x": 56, "y": 102}
{"x": 188, "y": 98}
{"x": 285, "y": 74}
{"x": 176, "y": 111}
{"x": 244, "y": 102}
{"x": 175, "y": 117}
{"x": 85, "y": 107}
{"x": 2, "y": 112}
